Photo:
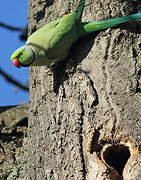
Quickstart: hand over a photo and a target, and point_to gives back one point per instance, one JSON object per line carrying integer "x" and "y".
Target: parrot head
{"x": 23, "y": 57}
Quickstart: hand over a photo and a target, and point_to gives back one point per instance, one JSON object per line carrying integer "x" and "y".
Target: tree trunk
{"x": 84, "y": 118}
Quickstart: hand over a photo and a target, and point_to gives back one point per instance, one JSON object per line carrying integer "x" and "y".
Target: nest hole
{"x": 117, "y": 157}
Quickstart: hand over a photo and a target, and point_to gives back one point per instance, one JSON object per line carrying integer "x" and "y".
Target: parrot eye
{"x": 21, "y": 53}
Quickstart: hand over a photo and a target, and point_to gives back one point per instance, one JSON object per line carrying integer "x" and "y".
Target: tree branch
{"x": 23, "y": 36}
{"x": 13, "y": 81}
{"x": 11, "y": 28}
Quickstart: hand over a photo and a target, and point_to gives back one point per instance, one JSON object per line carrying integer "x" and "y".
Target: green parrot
{"x": 51, "y": 43}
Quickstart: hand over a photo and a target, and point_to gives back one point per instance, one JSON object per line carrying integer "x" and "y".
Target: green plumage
{"x": 51, "y": 43}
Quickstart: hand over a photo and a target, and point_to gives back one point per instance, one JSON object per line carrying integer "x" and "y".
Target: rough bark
{"x": 84, "y": 118}
{"x": 13, "y": 129}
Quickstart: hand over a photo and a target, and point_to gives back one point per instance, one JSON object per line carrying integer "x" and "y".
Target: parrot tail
{"x": 88, "y": 27}
{"x": 79, "y": 10}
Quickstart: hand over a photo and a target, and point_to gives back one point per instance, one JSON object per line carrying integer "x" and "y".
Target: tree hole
{"x": 116, "y": 157}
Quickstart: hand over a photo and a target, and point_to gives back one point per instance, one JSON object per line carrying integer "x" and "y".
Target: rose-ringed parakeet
{"x": 51, "y": 43}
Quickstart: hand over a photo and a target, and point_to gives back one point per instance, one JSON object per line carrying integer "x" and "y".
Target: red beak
{"x": 16, "y": 63}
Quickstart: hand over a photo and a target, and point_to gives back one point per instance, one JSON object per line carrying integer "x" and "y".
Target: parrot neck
{"x": 33, "y": 55}
{"x": 32, "y": 52}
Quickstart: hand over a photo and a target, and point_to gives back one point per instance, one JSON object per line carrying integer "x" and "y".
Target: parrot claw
{"x": 50, "y": 68}
{"x": 47, "y": 70}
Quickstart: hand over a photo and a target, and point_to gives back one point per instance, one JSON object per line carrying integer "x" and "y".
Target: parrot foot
{"x": 48, "y": 70}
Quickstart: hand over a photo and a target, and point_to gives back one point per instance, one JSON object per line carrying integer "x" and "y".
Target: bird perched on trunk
{"x": 51, "y": 43}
